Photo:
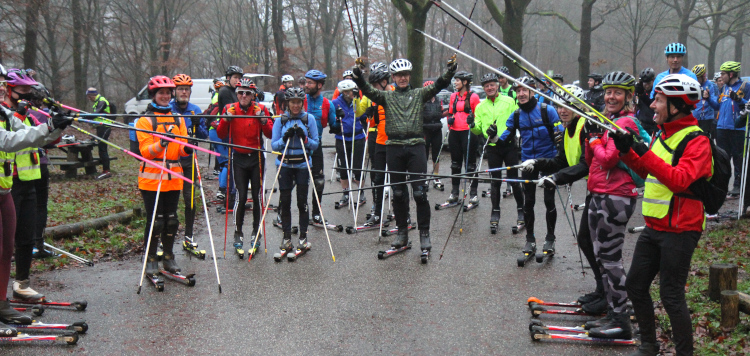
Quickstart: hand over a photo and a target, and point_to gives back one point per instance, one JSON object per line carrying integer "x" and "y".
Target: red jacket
{"x": 457, "y": 108}
{"x": 686, "y": 214}
{"x": 245, "y": 131}
{"x": 604, "y": 175}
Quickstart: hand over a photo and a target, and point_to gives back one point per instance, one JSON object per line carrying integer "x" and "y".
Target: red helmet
{"x": 429, "y": 82}
{"x": 158, "y": 82}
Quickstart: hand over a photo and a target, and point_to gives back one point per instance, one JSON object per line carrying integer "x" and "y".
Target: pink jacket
{"x": 460, "y": 112}
{"x": 604, "y": 175}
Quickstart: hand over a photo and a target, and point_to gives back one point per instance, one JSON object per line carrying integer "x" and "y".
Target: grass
{"x": 725, "y": 243}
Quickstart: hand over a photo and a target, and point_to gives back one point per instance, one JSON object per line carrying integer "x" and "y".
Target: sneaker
{"x": 104, "y": 175}
{"x": 22, "y": 290}
{"x": 41, "y": 253}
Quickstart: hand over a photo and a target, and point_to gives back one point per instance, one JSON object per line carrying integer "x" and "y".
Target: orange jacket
{"x": 149, "y": 176}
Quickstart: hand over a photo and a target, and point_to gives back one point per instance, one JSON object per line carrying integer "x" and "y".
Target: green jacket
{"x": 490, "y": 112}
{"x": 403, "y": 108}
{"x": 101, "y": 106}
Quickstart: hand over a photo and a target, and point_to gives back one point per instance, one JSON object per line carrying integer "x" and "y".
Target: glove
{"x": 559, "y": 135}
{"x": 528, "y": 165}
{"x": 357, "y": 71}
{"x": 492, "y": 131}
{"x": 592, "y": 129}
{"x": 547, "y": 182}
{"x": 639, "y": 89}
{"x": 289, "y": 133}
{"x": 623, "y": 141}
{"x": 594, "y": 142}
{"x": 340, "y": 112}
{"x": 363, "y": 121}
{"x": 59, "y": 121}
{"x": 640, "y": 147}
{"x": 188, "y": 150}
{"x": 451, "y": 120}
{"x": 371, "y": 111}
{"x": 733, "y": 95}
{"x": 470, "y": 120}
{"x": 452, "y": 64}
{"x": 163, "y": 142}
{"x": 335, "y": 130}
{"x": 300, "y": 133}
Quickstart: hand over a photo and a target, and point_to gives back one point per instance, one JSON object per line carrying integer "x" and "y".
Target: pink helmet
{"x": 19, "y": 77}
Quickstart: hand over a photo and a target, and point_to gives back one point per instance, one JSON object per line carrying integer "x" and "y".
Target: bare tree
{"x": 637, "y": 21}
{"x": 414, "y": 13}
{"x": 511, "y": 21}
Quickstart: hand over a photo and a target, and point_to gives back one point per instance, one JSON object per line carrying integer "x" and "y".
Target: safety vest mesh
{"x": 27, "y": 161}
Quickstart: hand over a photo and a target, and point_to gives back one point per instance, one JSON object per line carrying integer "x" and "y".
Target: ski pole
{"x": 453, "y": 226}
{"x": 317, "y": 199}
{"x": 72, "y": 256}
{"x": 270, "y": 195}
{"x": 138, "y": 157}
{"x": 466, "y": 27}
{"x": 227, "y": 191}
{"x": 262, "y": 171}
{"x": 51, "y": 101}
{"x": 354, "y": 36}
{"x": 153, "y": 217}
{"x": 362, "y": 176}
{"x": 572, "y": 228}
{"x": 346, "y": 161}
{"x": 208, "y": 222}
{"x": 465, "y": 175}
{"x": 573, "y": 217}
{"x": 535, "y": 181}
{"x": 463, "y": 200}
{"x": 333, "y": 169}
{"x": 382, "y": 204}
{"x": 352, "y": 203}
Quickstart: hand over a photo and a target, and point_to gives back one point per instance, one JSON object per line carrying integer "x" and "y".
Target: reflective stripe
{"x": 27, "y": 168}
{"x": 21, "y": 153}
{"x": 154, "y": 176}
{"x": 656, "y": 201}
{"x": 373, "y": 129}
{"x": 653, "y": 181}
{"x": 154, "y": 153}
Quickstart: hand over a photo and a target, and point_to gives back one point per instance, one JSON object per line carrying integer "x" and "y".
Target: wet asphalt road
{"x": 473, "y": 301}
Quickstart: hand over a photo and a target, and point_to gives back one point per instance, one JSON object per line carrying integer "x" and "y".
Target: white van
{"x": 200, "y": 96}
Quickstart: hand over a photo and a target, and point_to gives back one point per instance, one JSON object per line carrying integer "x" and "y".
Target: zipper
{"x": 679, "y": 206}
{"x": 671, "y": 210}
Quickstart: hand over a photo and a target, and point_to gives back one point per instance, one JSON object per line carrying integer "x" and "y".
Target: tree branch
{"x": 559, "y": 16}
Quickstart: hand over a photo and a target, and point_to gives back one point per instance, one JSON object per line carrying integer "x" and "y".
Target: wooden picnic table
{"x": 79, "y": 155}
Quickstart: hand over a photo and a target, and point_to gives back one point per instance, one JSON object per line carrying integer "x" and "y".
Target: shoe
{"x": 530, "y": 247}
{"x": 735, "y": 191}
{"x": 104, "y": 175}
{"x": 169, "y": 264}
{"x": 252, "y": 238}
{"x": 220, "y": 195}
{"x": 41, "y": 253}
{"x": 216, "y": 172}
{"x": 647, "y": 349}
{"x": 286, "y": 242}
{"x": 597, "y": 306}
{"x": 152, "y": 265}
{"x": 11, "y": 316}
{"x": 617, "y": 328}
{"x": 317, "y": 219}
{"x": 590, "y": 297}
{"x": 302, "y": 242}
{"x": 424, "y": 240}
{"x": 373, "y": 220}
{"x": 474, "y": 199}
{"x": 600, "y": 322}
{"x": 22, "y": 290}
{"x": 453, "y": 198}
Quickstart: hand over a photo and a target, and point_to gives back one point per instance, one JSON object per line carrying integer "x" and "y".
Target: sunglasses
{"x": 244, "y": 92}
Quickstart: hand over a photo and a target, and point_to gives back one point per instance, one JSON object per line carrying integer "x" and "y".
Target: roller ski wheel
{"x": 192, "y": 249}
{"x": 425, "y": 256}
{"x": 188, "y": 280}
{"x": 393, "y": 231}
{"x": 547, "y": 251}
{"x": 36, "y": 310}
{"x": 299, "y": 251}
{"x": 438, "y": 185}
{"x": 156, "y": 281}
{"x": 79, "y": 327}
{"x": 494, "y": 220}
{"x": 392, "y": 251}
{"x": 528, "y": 252}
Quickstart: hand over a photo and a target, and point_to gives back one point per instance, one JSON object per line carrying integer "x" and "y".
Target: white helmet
{"x": 573, "y": 89}
{"x": 287, "y": 78}
{"x": 378, "y": 65}
{"x": 399, "y": 65}
{"x": 347, "y": 73}
{"x": 346, "y": 84}
{"x": 680, "y": 86}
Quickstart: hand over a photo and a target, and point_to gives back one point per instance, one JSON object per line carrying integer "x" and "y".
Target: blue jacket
{"x": 542, "y": 99}
{"x": 315, "y": 108}
{"x": 663, "y": 74}
{"x": 199, "y": 129}
{"x": 703, "y": 110}
{"x": 729, "y": 110}
{"x": 295, "y": 146}
{"x": 346, "y": 121}
{"x": 535, "y": 139}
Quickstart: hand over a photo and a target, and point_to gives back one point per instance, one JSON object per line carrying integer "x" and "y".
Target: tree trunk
{"x": 416, "y": 19}
{"x": 54, "y": 57}
{"x": 31, "y": 33}
{"x": 584, "y": 48}
{"x": 79, "y": 73}
{"x": 513, "y": 33}
{"x": 738, "y": 44}
{"x": 278, "y": 36}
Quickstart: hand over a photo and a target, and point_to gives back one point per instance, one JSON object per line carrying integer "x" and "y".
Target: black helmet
{"x": 378, "y": 75}
{"x": 596, "y": 76}
{"x": 647, "y": 75}
{"x": 619, "y": 79}
{"x": 232, "y": 70}
{"x": 294, "y": 93}
{"x": 39, "y": 92}
{"x": 524, "y": 80}
{"x": 504, "y": 70}
{"x": 463, "y": 75}
{"x": 557, "y": 77}
{"x": 489, "y": 77}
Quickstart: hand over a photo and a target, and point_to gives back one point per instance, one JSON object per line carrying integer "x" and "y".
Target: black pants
{"x": 503, "y": 156}
{"x": 378, "y": 160}
{"x": 42, "y": 197}
{"x": 433, "y": 139}
{"x": 344, "y": 155}
{"x": 103, "y": 132}
{"x": 732, "y": 141}
{"x": 410, "y": 159}
{"x": 587, "y": 245}
{"x": 669, "y": 255}
{"x": 188, "y": 194}
{"x": 529, "y": 190}
{"x": 458, "y": 141}
{"x": 708, "y": 127}
{"x": 317, "y": 167}
{"x": 288, "y": 179}
{"x": 167, "y": 207}
{"x": 24, "y": 199}
{"x": 247, "y": 168}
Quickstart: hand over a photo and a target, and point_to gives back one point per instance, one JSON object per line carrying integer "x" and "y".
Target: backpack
{"x": 325, "y": 108}
{"x": 467, "y": 103}
{"x": 545, "y": 120}
{"x": 639, "y": 182}
{"x": 711, "y": 191}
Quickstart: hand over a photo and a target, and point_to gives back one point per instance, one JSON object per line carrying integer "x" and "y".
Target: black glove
{"x": 640, "y": 147}
{"x": 623, "y": 141}
{"x": 452, "y": 64}
{"x": 492, "y": 131}
{"x": 470, "y": 120}
{"x": 592, "y": 129}
{"x": 371, "y": 111}
{"x": 289, "y": 133}
{"x": 336, "y": 130}
{"x": 188, "y": 150}
{"x": 363, "y": 121}
{"x": 59, "y": 121}
{"x": 451, "y": 120}
{"x": 300, "y": 133}
{"x": 340, "y": 112}
{"x": 357, "y": 72}
{"x": 733, "y": 95}
{"x": 639, "y": 89}
{"x": 163, "y": 142}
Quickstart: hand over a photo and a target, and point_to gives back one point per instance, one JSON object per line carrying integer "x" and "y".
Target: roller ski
{"x": 437, "y": 184}
{"x": 494, "y": 220}
{"x": 255, "y": 247}
{"x": 69, "y": 338}
{"x": 317, "y": 221}
{"x": 301, "y": 249}
{"x": 400, "y": 244}
{"x": 285, "y": 248}
{"x": 36, "y": 310}
{"x": 277, "y": 223}
{"x": 547, "y": 251}
{"x": 372, "y": 223}
{"x": 473, "y": 202}
{"x": 79, "y": 327}
{"x": 192, "y": 248}
{"x": 78, "y": 305}
{"x": 529, "y": 251}
{"x": 22, "y": 291}
{"x": 389, "y": 217}
{"x": 486, "y": 194}
{"x": 395, "y": 230}
{"x": 542, "y": 332}
{"x": 450, "y": 203}
{"x": 508, "y": 192}
{"x": 539, "y": 309}
{"x": 171, "y": 270}
{"x": 520, "y": 223}
{"x": 152, "y": 273}
{"x": 425, "y": 245}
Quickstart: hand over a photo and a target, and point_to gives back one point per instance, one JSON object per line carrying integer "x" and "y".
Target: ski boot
{"x": 400, "y": 244}
{"x": 451, "y": 202}
{"x": 254, "y": 244}
{"x": 529, "y": 250}
{"x": 169, "y": 264}
{"x": 473, "y": 202}
{"x": 221, "y": 194}
{"x": 647, "y": 349}
{"x": 302, "y": 248}
{"x": 618, "y": 327}
{"x": 192, "y": 248}
{"x": 171, "y": 271}
{"x": 11, "y": 316}
{"x": 548, "y": 250}
{"x": 285, "y": 248}
{"x": 425, "y": 245}
{"x": 42, "y": 253}
{"x": 590, "y": 297}
{"x": 344, "y": 201}
{"x": 23, "y": 291}
{"x": 508, "y": 192}
{"x": 152, "y": 272}
{"x": 238, "y": 242}
{"x": 598, "y": 306}
{"x": 362, "y": 200}
{"x": 437, "y": 184}
{"x": 277, "y": 222}
{"x": 520, "y": 222}
{"x": 494, "y": 220}
{"x": 593, "y": 324}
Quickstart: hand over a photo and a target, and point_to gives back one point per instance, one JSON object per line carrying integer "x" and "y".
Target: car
{"x": 328, "y": 94}
{"x": 200, "y": 96}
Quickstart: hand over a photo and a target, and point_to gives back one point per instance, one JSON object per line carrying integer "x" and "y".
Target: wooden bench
{"x": 73, "y": 161}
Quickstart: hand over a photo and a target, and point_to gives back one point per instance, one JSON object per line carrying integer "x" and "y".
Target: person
{"x": 730, "y": 132}
{"x": 717, "y": 80}
{"x": 536, "y": 123}
{"x": 349, "y": 131}
{"x": 595, "y": 96}
{"x": 279, "y": 104}
{"x": 320, "y": 108}
{"x": 378, "y": 78}
{"x": 462, "y": 143}
{"x": 212, "y": 123}
{"x": 570, "y": 166}
{"x": 643, "y": 100}
{"x": 152, "y": 180}
{"x": 674, "y": 218}
{"x": 499, "y": 153}
{"x": 405, "y": 146}
{"x": 346, "y": 75}
{"x": 196, "y": 127}
{"x": 505, "y": 88}
{"x": 545, "y": 86}
{"x": 301, "y": 82}
{"x": 247, "y": 165}
{"x": 227, "y": 93}
{"x": 558, "y": 78}
{"x": 613, "y": 199}
{"x": 433, "y": 133}
{"x": 703, "y": 111}
{"x": 101, "y": 106}
{"x": 675, "y": 53}
{"x": 290, "y": 131}
{"x": 15, "y": 136}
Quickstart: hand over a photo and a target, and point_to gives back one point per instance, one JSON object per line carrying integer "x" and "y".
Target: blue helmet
{"x": 675, "y": 48}
{"x": 316, "y": 75}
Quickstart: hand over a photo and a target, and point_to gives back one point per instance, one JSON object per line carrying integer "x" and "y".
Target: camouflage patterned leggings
{"x": 608, "y": 217}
